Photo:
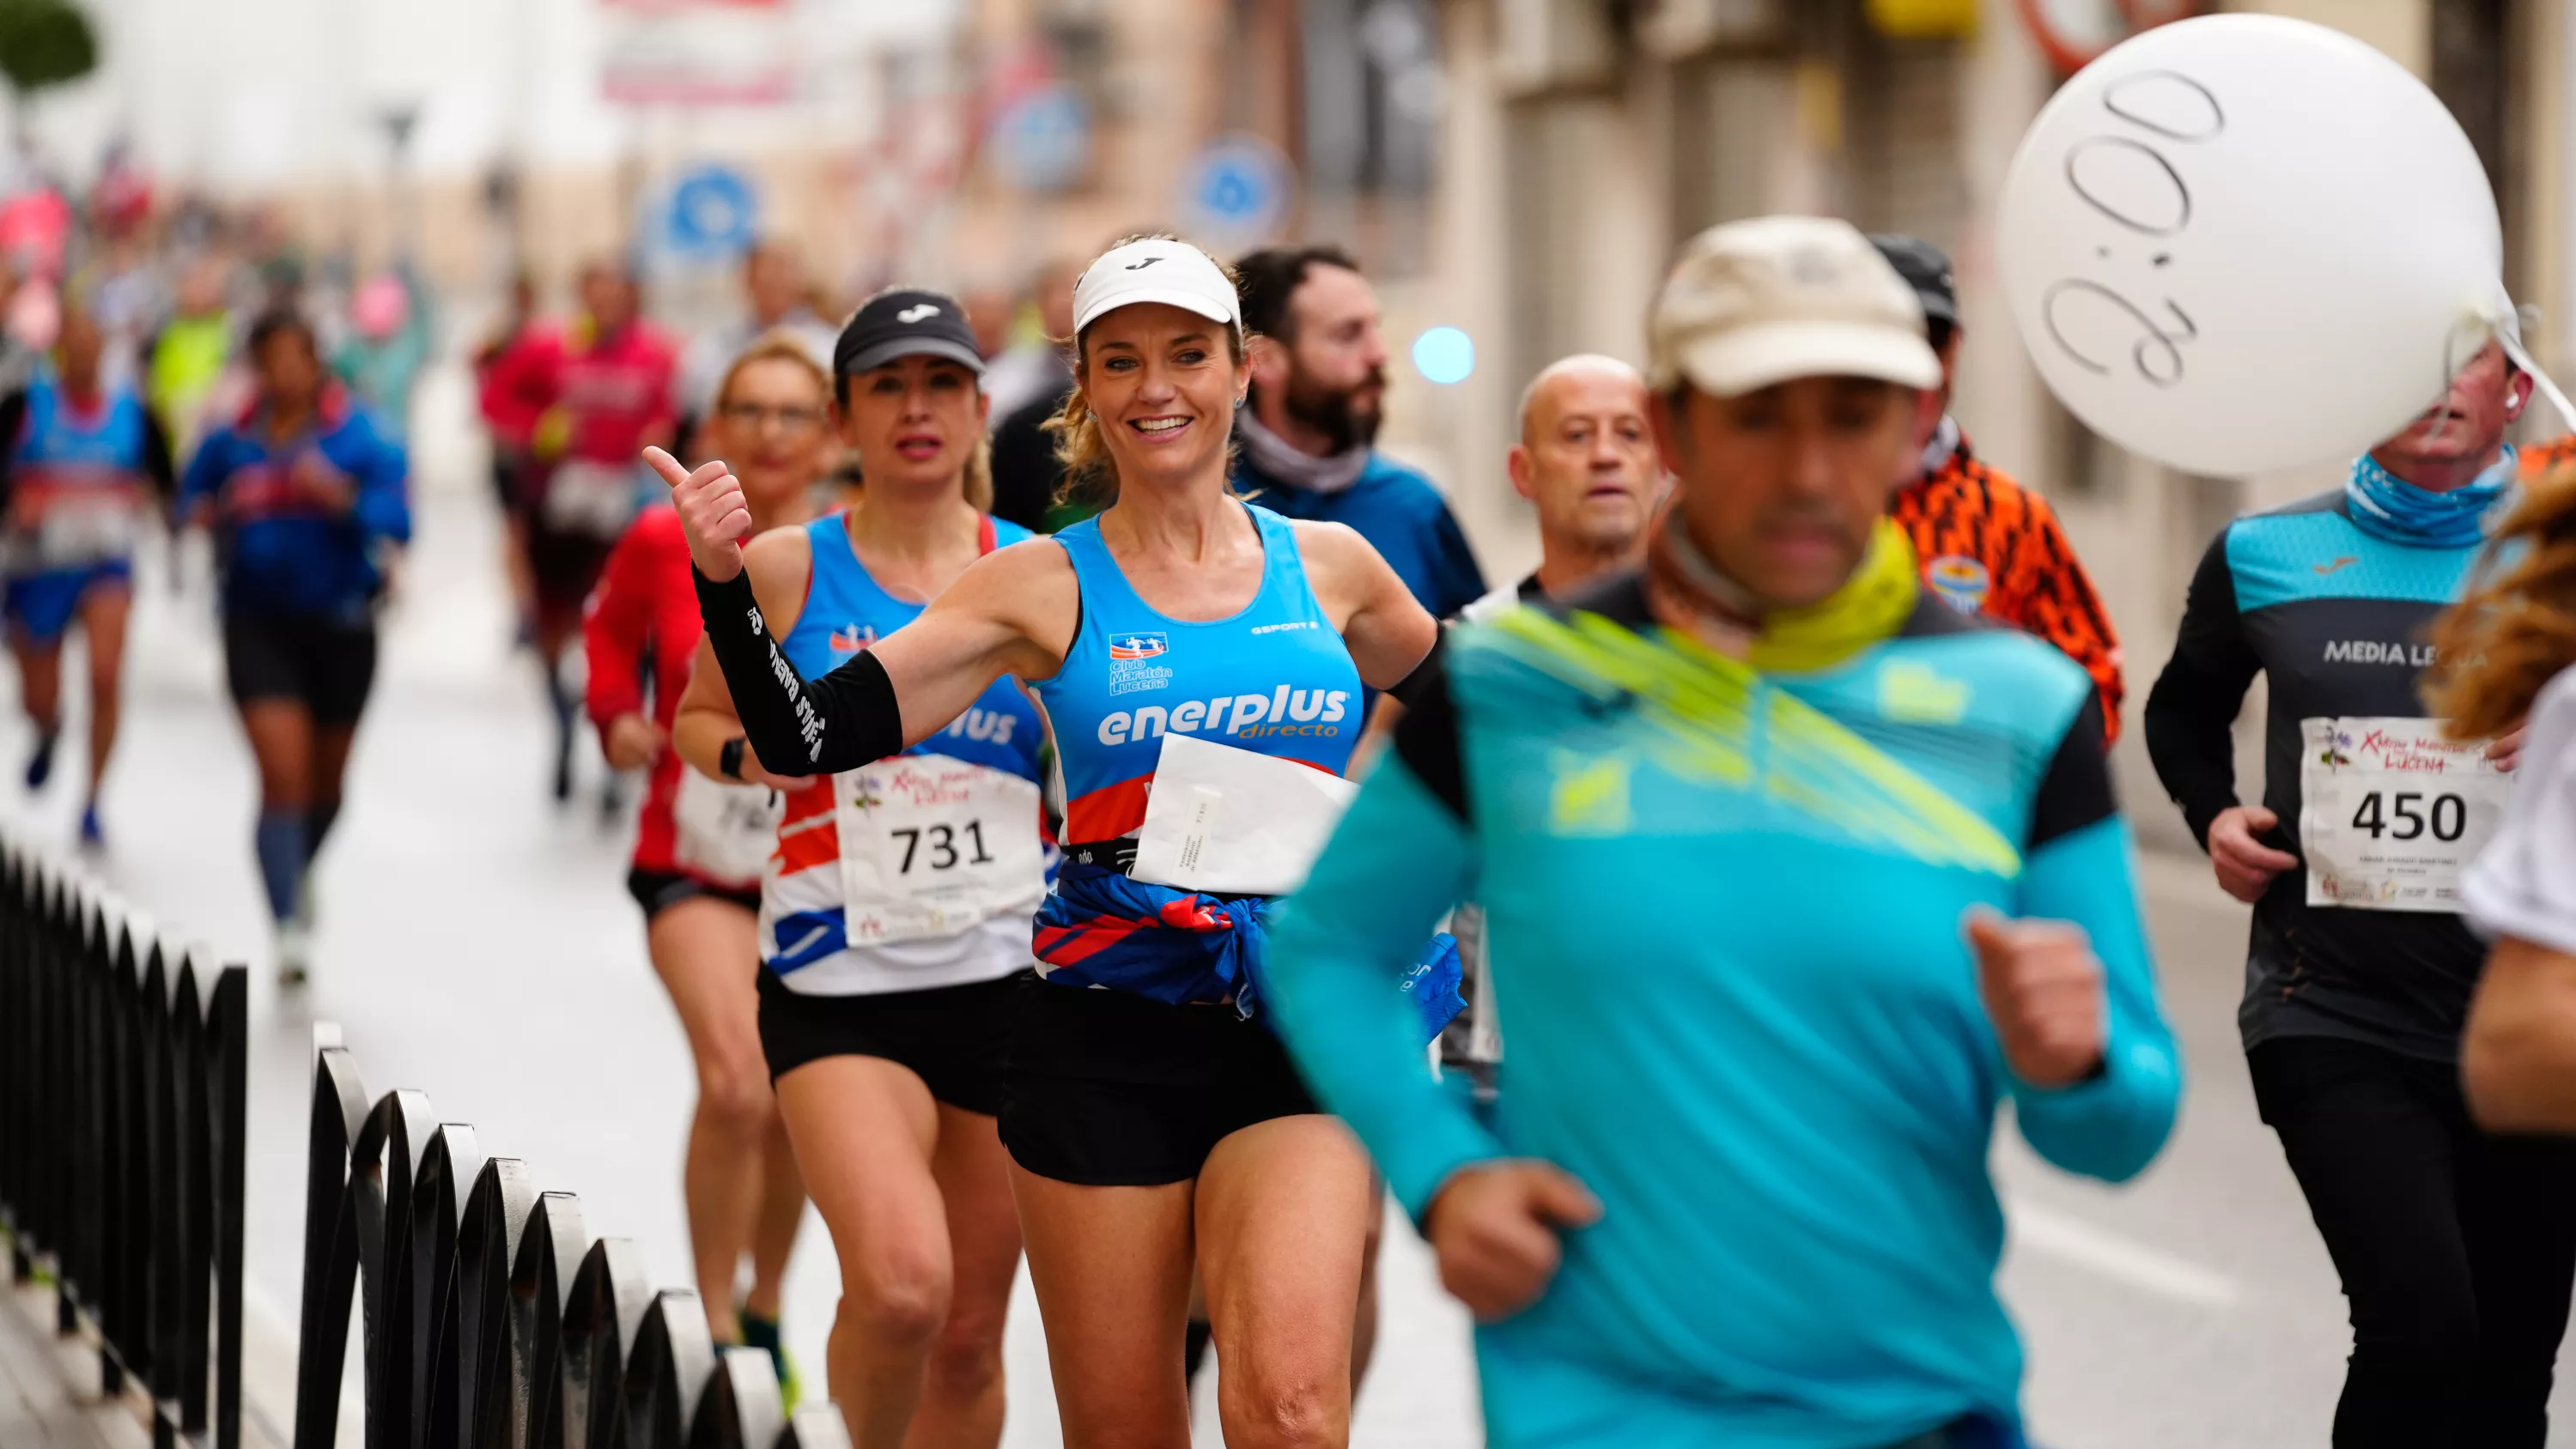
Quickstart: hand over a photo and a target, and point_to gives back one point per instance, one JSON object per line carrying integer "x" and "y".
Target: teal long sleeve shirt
{"x": 1724, "y": 913}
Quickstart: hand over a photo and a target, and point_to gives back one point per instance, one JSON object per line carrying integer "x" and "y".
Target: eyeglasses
{"x": 789, "y": 420}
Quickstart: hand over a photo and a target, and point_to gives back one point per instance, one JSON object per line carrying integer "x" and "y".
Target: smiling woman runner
{"x": 700, "y": 844}
{"x": 1156, "y": 1122}
{"x": 894, "y": 910}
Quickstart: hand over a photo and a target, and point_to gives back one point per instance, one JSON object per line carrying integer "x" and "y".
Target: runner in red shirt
{"x": 702, "y": 845}
{"x": 599, "y": 391}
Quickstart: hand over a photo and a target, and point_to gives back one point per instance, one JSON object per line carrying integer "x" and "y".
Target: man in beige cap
{"x": 1793, "y": 876}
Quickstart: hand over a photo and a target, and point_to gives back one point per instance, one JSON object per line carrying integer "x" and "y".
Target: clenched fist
{"x": 712, "y": 513}
{"x": 2043, "y": 990}
{"x": 1495, "y": 1225}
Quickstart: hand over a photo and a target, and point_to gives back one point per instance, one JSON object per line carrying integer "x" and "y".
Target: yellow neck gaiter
{"x": 1870, "y": 606}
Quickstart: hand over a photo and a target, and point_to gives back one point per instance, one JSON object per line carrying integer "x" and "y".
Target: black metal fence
{"x": 492, "y": 1319}
{"x": 122, "y": 1102}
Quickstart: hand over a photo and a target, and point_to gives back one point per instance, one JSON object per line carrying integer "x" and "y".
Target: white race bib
{"x": 2391, "y": 812}
{"x": 1232, "y": 822}
{"x": 596, "y": 500}
{"x": 932, "y": 845}
{"x": 725, "y": 832}
{"x": 77, "y": 527}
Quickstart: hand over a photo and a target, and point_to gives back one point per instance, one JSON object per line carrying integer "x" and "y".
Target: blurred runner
{"x": 387, "y": 346}
{"x": 700, "y": 845}
{"x": 895, "y": 910}
{"x": 775, "y": 296}
{"x": 2504, "y": 653}
{"x": 305, "y": 499}
{"x": 2457, "y": 1247}
{"x": 1744, "y": 1197}
{"x": 1987, "y": 544}
{"x": 599, "y": 392}
{"x": 510, "y": 422}
{"x": 1318, "y": 388}
{"x": 1027, "y": 475}
{"x": 1032, "y": 369}
{"x": 186, "y": 363}
{"x": 82, "y": 466}
{"x": 1154, "y": 1123}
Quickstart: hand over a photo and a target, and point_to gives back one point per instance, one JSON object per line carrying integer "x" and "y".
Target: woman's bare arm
{"x": 2518, "y": 1058}
{"x": 1387, "y": 631}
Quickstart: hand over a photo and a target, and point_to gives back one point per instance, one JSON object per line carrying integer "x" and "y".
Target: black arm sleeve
{"x": 1426, "y": 739}
{"x": 13, "y": 416}
{"x": 796, "y": 726}
{"x": 158, "y": 466}
{"x": 2076, "y": 791}
{"x": 2191, "y": 713}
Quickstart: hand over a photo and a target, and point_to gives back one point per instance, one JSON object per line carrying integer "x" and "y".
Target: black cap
{"x": 1925, "y": 268}
{"x": 905, "y": 322}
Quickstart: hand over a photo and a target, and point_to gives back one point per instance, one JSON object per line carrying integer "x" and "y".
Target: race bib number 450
{"x": 2392, "y": 812}
{"x": 931, "y": 845}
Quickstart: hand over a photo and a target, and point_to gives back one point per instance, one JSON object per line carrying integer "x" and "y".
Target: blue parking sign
{"x": 1238, "y": 190}
{"x": 713, "y": 212}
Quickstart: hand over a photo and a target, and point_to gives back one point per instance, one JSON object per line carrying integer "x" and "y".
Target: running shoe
{"x": 761, "y": 1332}
{"x": 294, "y": 955}
{"x": 40, "y": 765}
{"x": 92, "y": 838}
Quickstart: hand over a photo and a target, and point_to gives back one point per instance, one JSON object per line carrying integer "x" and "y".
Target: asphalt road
{"x": 476, "y": 943}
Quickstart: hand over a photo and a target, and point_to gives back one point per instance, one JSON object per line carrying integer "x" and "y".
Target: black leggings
{"x": 2457, "y": 1247}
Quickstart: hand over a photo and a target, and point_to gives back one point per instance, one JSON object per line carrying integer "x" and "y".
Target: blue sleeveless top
{"x": 66, "y": 447}
{"x": 1274, "y": 678}
{"x": 803, "y": 923}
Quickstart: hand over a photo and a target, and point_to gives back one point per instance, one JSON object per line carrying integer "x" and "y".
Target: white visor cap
{"x": 1157, "y": 269}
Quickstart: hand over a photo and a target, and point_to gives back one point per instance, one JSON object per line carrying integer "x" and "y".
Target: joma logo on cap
{"x": 1140, "y": 266}
{"x": 910, "y": 315}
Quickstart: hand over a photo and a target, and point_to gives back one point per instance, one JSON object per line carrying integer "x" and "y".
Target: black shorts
{"x": 659, "y": 890}
{"x": 565, "y": 566}
{"x": 955, "y": 1038}
{"x": 1110, "y": 1089}
{"x": 325, "y": 665}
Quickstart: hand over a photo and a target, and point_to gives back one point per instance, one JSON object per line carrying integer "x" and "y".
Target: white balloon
{"x": 2245, "y": 242}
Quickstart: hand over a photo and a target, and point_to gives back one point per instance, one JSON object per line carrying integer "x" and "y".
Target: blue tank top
{"x": 65, "y": 447}
{"x": 1275, "y": 678}
{"x": 846, "y": 611}
{"x": 804, "y": 935}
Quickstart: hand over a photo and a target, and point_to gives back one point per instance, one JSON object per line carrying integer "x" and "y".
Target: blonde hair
{"x": 1089, "y": 474}
{"x": 2496, "y": 647}
{"x": 770, "y": 347}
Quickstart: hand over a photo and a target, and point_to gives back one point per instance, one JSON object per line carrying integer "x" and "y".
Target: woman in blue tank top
{"x": 895, "y": 900}
{"x": 1180, "y": 625}
{"x": 83, "y": 466}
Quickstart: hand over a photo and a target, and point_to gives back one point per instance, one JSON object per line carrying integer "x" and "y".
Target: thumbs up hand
{"x": 2043, "y": 990}
{"x": 712, "y": 513}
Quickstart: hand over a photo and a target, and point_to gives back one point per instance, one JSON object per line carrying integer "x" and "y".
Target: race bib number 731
{"x": 2392, "y": 812}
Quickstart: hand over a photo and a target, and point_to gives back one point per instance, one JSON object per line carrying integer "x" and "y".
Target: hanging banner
{"x": 697, "y": 52}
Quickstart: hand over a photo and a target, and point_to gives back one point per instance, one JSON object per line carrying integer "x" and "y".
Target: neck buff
{"x": 2387, "y": 506}
{"x": 1717, "y": 612}
{"x": 1275, "y": 458}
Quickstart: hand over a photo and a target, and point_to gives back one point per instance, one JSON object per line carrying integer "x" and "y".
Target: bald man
{"x": 1588, "y": 463}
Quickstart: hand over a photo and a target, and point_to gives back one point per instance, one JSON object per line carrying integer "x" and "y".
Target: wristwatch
{"x": 730, "y": 759}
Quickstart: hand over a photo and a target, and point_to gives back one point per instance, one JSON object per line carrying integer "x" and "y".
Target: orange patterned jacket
{"x": 1989, "y": 546}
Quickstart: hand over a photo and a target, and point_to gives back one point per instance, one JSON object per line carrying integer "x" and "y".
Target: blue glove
{"x": 1433, "y": 984}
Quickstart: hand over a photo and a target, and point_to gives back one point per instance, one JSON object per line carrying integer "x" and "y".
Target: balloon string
{"x": 2513, "y": 348}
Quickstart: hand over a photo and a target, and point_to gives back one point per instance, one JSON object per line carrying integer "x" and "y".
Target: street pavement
{"x": 476, "y": 943}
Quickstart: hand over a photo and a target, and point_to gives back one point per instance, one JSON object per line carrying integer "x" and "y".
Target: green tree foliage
{"x": 44, "y": 43}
